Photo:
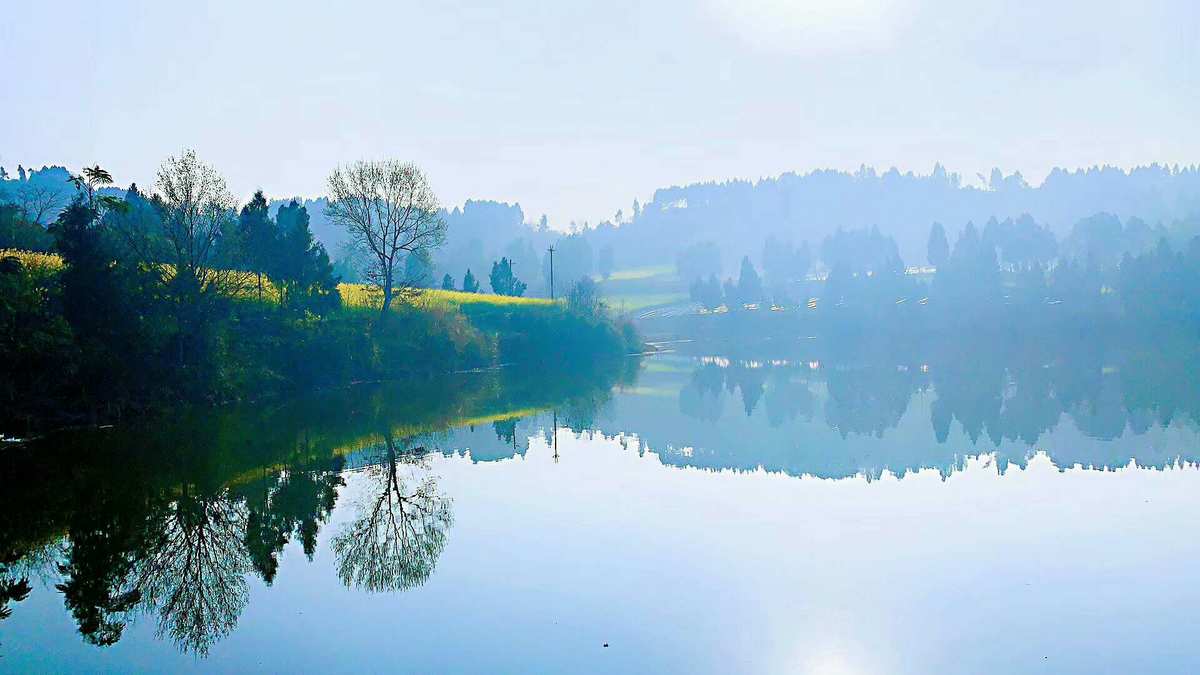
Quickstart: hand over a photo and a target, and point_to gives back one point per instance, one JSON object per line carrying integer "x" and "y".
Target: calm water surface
{"x": 698, "y": 513}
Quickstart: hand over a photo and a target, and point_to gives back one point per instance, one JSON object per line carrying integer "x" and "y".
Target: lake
{"x": 807, "y": 507}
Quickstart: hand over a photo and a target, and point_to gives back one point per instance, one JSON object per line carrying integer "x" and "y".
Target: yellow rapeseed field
{"x": 353, "y": 295}
{"x": 37, "y": 261}
{"x": 361, "y": 295}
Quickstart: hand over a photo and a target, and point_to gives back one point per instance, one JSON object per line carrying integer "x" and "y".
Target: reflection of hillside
{"x": 832, "y": 412}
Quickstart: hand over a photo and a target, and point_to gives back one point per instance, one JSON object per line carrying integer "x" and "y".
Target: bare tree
{"x": 39, "y": 200}
{"x": 197, "y": 208}
{"x": 389, "y": 210}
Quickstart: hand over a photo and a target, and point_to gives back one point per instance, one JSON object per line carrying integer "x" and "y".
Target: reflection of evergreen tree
{"x": 749, "y": 381}
{"x": 786, "y": 398}
{"x": 1029, "y": 406}
{"x": 969, "y": 388}
{"x": 108, "y": 533}
{"x": 867, "y": 400}
{"x": 295, "y": 502}
{"x": 701, "y": 396}
{"x": 506, "y": 430}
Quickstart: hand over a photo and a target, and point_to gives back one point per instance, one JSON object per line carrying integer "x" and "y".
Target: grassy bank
{"x": 258, "y": 347}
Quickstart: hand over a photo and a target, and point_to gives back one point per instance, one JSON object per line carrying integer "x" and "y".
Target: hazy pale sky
{"x": 574, "y": 109}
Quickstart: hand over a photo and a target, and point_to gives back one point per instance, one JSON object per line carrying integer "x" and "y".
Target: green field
{"x": 636, "y": 288}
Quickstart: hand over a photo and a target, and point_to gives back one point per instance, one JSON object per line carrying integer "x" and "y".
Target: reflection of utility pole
{"x": 551, "y": 250}
{"x": 555, "y": 435}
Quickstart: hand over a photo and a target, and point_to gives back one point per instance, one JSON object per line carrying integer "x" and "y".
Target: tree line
{"x": 1105, "y": 267}
{"x": 180, "y": 294}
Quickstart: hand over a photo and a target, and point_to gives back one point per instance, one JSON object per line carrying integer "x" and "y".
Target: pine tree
{"x": 749, "y": 287}
{"x": 470, "y": 285}
{"x": 938, "y": 250}
{"x": 502, "y": 279}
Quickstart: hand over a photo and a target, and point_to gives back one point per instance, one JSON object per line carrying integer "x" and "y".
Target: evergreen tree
{"x": 749, "y": 287}
{"x": 502, "y": 279}
{"x": 301, "y": 266}
{"x": 706, "y": 292}
{"x": 470, "y": 285}
{"x": 257, "y": 237}
{"x": 938, "y": 248}
{"x": 447, "y": 283}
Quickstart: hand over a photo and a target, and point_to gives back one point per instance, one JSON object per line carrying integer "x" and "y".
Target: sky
{"x": 575, "y": 109}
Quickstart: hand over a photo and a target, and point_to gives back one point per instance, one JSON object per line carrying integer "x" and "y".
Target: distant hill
{"x": 739, "y": 215}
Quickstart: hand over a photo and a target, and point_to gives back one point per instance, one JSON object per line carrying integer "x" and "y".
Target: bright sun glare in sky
{"x": 808, "y": 26}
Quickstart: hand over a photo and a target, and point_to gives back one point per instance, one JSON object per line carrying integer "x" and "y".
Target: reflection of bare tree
{"x": 194, "y": 572}
{"x": 400, "y": 532}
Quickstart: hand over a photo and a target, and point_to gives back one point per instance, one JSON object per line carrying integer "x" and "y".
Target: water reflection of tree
{"x": 867, "y": 400}
{"x": 701, "y": 396}
{"x": 195, "y": 569}
{"x": 14, "y": 586}
{"x": 183, "y": 554}
{"x": 402, "y": 523}
{"x": 169, "y": 520}
{"x": 283, "y": 504}
{"x": 787, "y": 398}
{"x": 996, "y": 389}
{"x": 182, "y": 558}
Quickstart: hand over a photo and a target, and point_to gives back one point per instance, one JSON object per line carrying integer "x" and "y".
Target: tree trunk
{"x": 387, "y": 300}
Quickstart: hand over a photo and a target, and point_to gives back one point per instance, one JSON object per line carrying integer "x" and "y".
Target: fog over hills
{"x": 738, "y": 215}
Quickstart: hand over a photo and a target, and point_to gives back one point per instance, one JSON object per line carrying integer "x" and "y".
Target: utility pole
{"x": 555, "y": 436}
{"x": 551, "y": 250}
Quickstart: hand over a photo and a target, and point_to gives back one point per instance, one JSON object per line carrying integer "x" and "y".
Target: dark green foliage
{"x": 470, "y": 285}
{"x": 37, "y": 354}
{"x": 257, "y": 236}
{"x": 18, "y": 233}
{"x": 123, "y": 326}
{"x": 152, "y": 309}
{"x": 300, "y": 267}
{"x": 447, "y": 282}
{"x": 502, "y": 279}
{"x": 534, "y": 336}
